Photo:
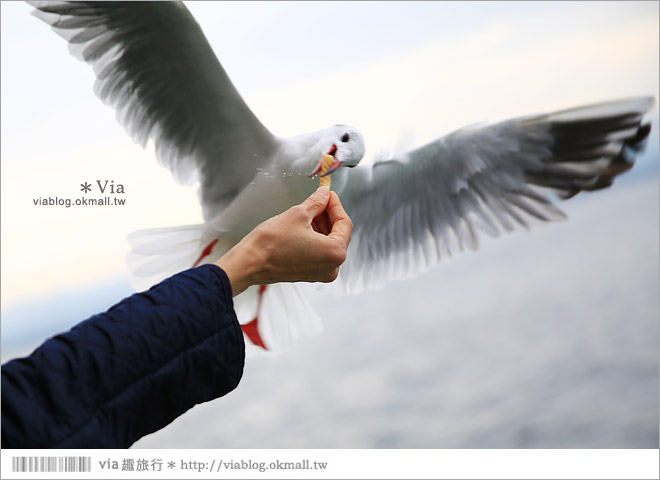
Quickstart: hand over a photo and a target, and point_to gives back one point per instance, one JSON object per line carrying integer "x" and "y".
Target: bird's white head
{"x": 344, "y": 143}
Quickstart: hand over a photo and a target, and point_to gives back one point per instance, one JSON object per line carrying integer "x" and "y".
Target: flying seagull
{"x": 157, "y": 70}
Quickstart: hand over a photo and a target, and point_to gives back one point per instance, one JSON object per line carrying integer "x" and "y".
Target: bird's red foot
{"x": 206, "y": 252}
{"x": 251, "y": 329}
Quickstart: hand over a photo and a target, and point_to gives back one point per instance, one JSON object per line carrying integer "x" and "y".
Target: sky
{"x": 403, "y": 73}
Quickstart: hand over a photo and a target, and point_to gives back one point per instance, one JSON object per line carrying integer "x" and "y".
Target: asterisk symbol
{"x": 86, "y": 187}
{"x": 171, "y": 464}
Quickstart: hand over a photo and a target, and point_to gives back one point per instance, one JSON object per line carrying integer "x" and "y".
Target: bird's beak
{"x": 327, "y": 164}
{"x": 333, "y": 166}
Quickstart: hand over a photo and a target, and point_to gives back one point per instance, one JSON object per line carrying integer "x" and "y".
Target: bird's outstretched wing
{"x": 156, "y": 68}
{"x": 410, "y": 212}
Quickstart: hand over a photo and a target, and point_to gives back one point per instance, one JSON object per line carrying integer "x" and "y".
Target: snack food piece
{"x": 327, "y": 161}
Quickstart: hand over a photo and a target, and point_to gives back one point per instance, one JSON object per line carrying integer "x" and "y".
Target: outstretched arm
{"x": 130, "y": 371}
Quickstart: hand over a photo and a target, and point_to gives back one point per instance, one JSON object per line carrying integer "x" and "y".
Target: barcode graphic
{"x": 51, "y": 464}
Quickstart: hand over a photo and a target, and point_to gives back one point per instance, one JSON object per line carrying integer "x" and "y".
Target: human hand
{"x": 307, "y": 243}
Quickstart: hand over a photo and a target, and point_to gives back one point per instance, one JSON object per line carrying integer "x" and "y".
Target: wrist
{"x": 242, "y": 265}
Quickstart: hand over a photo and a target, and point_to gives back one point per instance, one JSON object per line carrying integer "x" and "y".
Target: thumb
{"x": 316, "y": 203}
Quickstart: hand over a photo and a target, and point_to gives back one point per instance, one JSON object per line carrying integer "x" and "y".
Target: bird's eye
{"x": 345, "y": 137}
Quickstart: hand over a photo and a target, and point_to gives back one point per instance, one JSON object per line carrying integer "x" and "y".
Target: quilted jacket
{"x": 130, "y": 371}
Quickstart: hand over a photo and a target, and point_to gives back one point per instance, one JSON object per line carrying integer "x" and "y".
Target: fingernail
{"x": 323, "y": 191}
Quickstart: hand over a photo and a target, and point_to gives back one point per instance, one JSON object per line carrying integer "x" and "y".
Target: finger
{"x": 342, "y": 227}
{"x": 316, "y": 202}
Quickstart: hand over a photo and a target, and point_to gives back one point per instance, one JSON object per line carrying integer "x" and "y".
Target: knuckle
{"x": 331, "y": 276}
{"x": 337, "y": 255}
{"x": 315, "y": 202}
{"x": 298, "y": 211}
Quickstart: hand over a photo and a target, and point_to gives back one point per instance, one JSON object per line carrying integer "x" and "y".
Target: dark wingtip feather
{"x": 602, "y": 140}
{"x": 638, "y": 142}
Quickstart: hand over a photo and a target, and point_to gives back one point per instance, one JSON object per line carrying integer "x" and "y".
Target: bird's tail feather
{"x": 284, "y": 313}
{"x": 158, "y": 253}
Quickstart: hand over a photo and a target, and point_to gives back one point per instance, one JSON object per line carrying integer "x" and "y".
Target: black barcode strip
{"x": 51, "y": 464}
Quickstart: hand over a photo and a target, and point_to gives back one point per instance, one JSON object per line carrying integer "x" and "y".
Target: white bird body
{"x": 273, "y": 189}
{"x": 155, "y": 67}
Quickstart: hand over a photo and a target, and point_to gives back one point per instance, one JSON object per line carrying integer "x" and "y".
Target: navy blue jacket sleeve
{"x": 128, "y": 372}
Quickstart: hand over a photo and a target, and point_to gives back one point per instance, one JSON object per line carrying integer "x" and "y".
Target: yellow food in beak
{"x": 327, "y": 161}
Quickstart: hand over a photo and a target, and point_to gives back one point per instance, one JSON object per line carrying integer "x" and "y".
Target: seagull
{"x": 155, "y": 67}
